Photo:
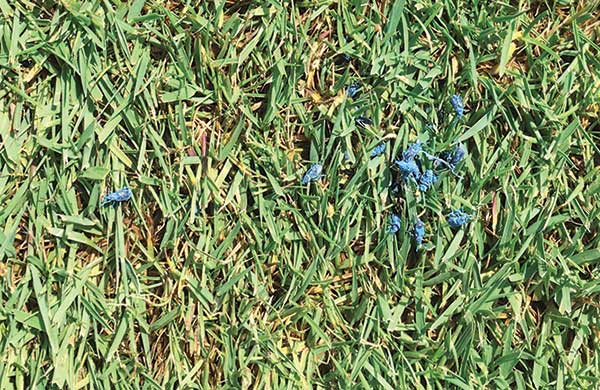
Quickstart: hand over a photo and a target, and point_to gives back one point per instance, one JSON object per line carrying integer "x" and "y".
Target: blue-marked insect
{"x": 395, "y": 224}
{"x": 412, "y": 151}
{"x": 427, "y": 180}
{"x": 457, "y": 105}
{"x": 457, "y": 155}
{"x": 419, "y": 232}
{"x": 449, "y": 159}
{"x": 363, "y": 121}
{"x": 313, "y": 173}
{"x": 122, "y": 195}
{"x": 378, "y": 150}
{"x": 353, "y": 89}
{"x": 408, "y": 169}
{"x": 457, "y": 218}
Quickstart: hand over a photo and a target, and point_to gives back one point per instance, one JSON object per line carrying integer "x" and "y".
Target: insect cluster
{"x": 409, "y": 170}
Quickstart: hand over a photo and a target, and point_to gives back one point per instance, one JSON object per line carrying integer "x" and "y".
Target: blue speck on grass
{"x": 457, "y": 218}
{"x": 395, "y": 224}
{"x": 121, "y": 195}
{"x": 378, "y": 150}
{"x": 419, "y": 232}
{"x": 427, "y": 180}
{"x": 457, "y": 105}
{"x": 313, "y": 173}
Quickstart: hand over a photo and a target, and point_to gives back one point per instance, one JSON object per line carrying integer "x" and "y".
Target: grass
{"x": 223, "y": 271}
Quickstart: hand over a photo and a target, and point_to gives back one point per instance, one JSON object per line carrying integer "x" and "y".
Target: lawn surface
{"x": 223, "y": 271}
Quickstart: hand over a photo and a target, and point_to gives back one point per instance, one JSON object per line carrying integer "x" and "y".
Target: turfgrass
{"x": 223, "y": 271}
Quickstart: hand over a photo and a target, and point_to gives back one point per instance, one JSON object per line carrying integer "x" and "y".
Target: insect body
{"x": 122, "y": 195}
